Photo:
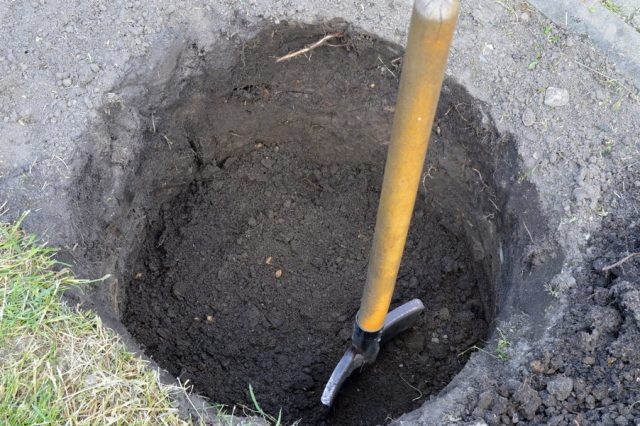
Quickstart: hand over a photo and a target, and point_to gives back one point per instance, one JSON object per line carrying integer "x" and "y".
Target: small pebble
{"x": 252, "y": 221}
{"x": 560, "y": 387}
{"x": 66, "y": 82}
{"x": 536, "y": 366}
{"x": 278, "y": 273}
{"x": 556, "y": 97}
{"x": 528, "y": 117}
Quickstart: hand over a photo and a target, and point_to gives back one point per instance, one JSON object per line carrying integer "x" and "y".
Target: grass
{"x": 501, "y": 351}
{"x": 503, "y": 346}
{"x": 611, "y": 6}
{"x": 551, "y": 37}
{"x": 59, "y": 365}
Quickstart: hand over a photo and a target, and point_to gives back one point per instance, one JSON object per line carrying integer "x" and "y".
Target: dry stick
{"x": 412, "y": 387}
{"x": 633, "y": 94}
{"x": 309, "y": 48}
{"x": 527, "y": 228}
{"x": 620, "y": 262}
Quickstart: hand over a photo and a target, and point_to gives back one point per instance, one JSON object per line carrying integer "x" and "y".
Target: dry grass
{"x": 59, "y": 365}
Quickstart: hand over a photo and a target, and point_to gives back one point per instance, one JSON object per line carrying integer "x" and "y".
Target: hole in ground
{"x": 236, "y": 215}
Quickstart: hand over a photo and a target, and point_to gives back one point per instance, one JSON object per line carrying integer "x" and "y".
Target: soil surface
{"x": 254, "y": 278}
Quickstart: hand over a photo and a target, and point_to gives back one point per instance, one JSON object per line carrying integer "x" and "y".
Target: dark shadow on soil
{"x": 238, "y": 221}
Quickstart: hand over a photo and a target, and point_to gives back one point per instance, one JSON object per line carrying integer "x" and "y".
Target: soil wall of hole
{"x": 234, "y": 208}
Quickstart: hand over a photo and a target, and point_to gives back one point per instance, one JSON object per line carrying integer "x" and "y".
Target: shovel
{"x": 430, "y": 33}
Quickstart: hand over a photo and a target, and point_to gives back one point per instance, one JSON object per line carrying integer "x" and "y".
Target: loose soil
{"x": 254, "y": 277}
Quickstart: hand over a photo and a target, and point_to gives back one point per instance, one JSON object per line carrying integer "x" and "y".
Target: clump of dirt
{"x": 592, "y": 378}
{"x": 236, "y": 212}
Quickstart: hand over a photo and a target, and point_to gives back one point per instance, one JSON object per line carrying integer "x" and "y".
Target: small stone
{"x": 91, "y": 380}
{"x": 525, "y": 17}
{"x": 444, "y": 314}
{"x": 252, "y": 221}
{"x": 278, "y": 273}
{"x": 560, "y": 387}
{"x": 588, "y": 360}
{"x": 210, "y": 319}
{"x": 528, "y": 117}
{"x": 555, "y": 97}
{"x": 66, "y": 82}
{"x": 94, "y": 67}
{"x": 528, "y": 401}
{"x": 485, "y": 400}
{"x": 536, "y": 366}
{"x": 621, "y": 420}
{"x": 267, "y": 162}
{"x": 413, "y": 282}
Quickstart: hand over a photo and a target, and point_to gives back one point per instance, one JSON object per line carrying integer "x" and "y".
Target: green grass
{"x": 501, "y": 351}
{"x": 611, "y": 6}
{"x": 503, "y": 346}
{"x": 59, "y": 365}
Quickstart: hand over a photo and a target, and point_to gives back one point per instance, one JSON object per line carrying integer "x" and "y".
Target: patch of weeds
{"x": 527, "y": 174}
{"x": 552, "y": 37}
{"x": 259, "y": 411}
{"x": 59, "y": 365}
{"x": 611, "y": 6}
{"x": 503, "y": 346}
{"x": 571, "y": 220}
{"x": 501, "y": 351}
{"x": 617, "y": 105}
{"x": 552, "y": 289}
{"x": 607, "y": 148}
{"x": 534, "y": 63}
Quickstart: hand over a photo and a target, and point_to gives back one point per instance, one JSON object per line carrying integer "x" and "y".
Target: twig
{"x": 386, "y": 67}
{"x": 527, "y": 228}
{"x": 167, "y": 139}
{"x": 65, "y": 164}
{"x": 310, "y": 47}
{"x": 412, "y": 387}
{"x": 481, "y": 180}
{"x": 5, "y": 283}
{"x": 601, "y": 74}
{"x": 620, "y": 262}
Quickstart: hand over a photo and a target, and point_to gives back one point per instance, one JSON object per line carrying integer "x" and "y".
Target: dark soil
{"x": 254, "y": 277}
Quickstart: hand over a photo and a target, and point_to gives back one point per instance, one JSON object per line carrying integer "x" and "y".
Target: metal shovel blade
{"x": 397, "y": 321}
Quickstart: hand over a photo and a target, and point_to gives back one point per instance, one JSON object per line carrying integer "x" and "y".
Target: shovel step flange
{"x": 397, "y": 321}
